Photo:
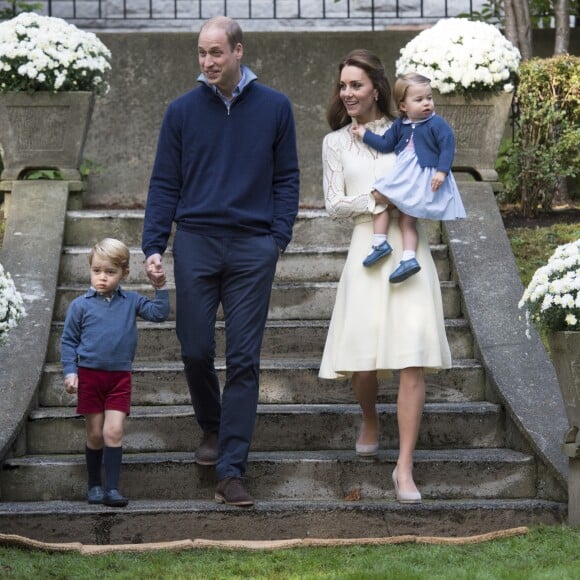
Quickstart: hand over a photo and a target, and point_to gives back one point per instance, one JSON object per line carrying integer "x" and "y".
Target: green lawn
{"x": 533, "y": 246}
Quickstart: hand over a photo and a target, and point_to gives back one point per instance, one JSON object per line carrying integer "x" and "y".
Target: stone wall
{"x": 152, "y": 68}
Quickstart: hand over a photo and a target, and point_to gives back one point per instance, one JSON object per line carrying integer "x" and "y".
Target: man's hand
{"x": 155, "y": 271}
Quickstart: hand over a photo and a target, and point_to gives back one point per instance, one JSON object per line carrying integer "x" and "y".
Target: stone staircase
{"x": 476, "y": 474}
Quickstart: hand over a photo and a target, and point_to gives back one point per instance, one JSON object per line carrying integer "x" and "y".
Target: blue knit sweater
{"x": 102, "y": 334}
{"x": 433, "y": 139}
{"x": 224, "y": 172}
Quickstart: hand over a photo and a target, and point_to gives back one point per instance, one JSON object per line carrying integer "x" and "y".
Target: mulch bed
{"x": 512, "y": 218}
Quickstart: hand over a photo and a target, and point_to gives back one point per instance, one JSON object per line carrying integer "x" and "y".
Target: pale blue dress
{"x": 408, "y": 187}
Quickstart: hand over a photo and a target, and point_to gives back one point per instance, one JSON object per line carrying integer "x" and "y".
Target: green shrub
{"x": 15, "y": 7}
{"x": 544, "y": 151}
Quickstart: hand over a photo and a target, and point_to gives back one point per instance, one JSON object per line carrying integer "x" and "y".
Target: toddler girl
{"x": 421, "y": 184}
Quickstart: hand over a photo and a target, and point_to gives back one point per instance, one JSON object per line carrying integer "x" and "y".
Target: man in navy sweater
{"x": 226, "y": 172}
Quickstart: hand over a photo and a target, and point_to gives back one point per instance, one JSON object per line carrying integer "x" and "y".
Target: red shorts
{"x": 101, "y": 391}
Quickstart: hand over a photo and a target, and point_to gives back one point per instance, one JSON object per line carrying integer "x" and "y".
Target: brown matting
{"x": 14, "y": 541}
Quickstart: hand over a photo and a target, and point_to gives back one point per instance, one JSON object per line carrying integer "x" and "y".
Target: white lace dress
{"x": 376, "y": 325}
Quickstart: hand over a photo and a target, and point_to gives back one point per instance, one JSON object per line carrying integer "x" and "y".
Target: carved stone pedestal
{"x": 565, "y": 350}
{"x": 43, "y": 130}
{"x": 479, "y": 121}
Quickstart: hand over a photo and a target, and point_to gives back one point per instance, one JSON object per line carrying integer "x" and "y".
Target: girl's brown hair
{"x": 403, "y": 82}
{"x": 370, "y": 63}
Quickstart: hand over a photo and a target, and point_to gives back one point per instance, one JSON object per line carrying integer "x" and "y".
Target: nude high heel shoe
{"x": 366, "y": 449}
{"x": 405, "y": 496}
{"x": 369, "y": 450}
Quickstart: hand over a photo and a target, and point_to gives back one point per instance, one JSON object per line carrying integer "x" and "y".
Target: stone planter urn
{"x": 479, "y": 121}
{"x": 44, "y": 130}
{"x": 565, "y": 350}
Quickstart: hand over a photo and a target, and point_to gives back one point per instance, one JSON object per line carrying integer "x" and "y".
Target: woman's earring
{"x": 376, "y": 97}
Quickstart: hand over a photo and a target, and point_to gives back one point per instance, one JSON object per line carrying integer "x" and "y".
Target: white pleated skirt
{"x": 380, "y": 326}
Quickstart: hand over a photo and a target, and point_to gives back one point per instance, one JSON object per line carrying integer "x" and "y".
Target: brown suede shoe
{"x": 207, "y": 452}
{"x": 231, "y": 492}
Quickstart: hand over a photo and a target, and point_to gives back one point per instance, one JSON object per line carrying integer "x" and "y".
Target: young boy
{"x": 98, "y": 347}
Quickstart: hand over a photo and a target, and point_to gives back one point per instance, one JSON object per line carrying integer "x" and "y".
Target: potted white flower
{"x": 552, "y": 302}
{"x": 50, "y": 72}
{"x": 11, "y": 305}
{"x": 473, "y": 70}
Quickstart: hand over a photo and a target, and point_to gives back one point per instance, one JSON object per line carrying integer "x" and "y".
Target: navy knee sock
{"x": 94, "y": 459}
{"x": 112, "y": 459}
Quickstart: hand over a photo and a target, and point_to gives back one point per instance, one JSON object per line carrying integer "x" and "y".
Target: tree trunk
{"x": 562, "y": 14}
{"x": 518, "y": 26}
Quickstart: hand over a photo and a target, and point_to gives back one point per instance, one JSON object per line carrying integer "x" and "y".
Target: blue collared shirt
{"x": 247, "y": 77}
{"x": 101, "y": 333}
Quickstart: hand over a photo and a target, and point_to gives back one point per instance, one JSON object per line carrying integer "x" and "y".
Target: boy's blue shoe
{"x": 379, "y": 252}
{"x": 114, "y": 499}
{"x": 95, "y": 494}
{"x": 404, "y": 270}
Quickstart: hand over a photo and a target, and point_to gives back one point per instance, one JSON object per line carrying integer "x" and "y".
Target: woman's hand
{"x": 379, "y": 197}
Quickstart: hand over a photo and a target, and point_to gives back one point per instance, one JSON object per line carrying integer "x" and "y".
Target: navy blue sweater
{"x": 433, "y": 139}
{"x": 102, "y": 334}
{"x": 224, "y": 173}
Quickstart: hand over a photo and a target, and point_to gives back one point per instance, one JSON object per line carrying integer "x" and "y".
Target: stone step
{"x": 289, "y": 301}
{"x": 278, "y": 428}
{"x": 307, "y": 475}
{"x": 162, "y": 521}
{"x": 297, "y": 264}
{"x": 281, "y": 382}
{"x": 313, "y": 227}
{"x": 282, "y": 339}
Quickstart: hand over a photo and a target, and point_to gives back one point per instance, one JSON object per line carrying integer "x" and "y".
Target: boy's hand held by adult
{"x": 155, "y": 270}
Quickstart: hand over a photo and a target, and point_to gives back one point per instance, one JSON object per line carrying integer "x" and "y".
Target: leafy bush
{"x": 541, "y": 12}
{"x": 15, "y": 7}
{"x": 545, "y": 147}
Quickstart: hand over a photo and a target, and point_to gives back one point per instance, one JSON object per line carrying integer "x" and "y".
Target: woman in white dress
{"x": 377, "y": 327}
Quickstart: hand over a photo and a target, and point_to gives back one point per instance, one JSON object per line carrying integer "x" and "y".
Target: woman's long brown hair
{"x": 369, "y": 62}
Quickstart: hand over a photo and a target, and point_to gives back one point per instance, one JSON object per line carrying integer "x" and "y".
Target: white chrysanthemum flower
{"x": 546, "y": 302}
{"x": 11, "y": 305}
{"x": 461, "y": 55}
{"x": 552, "y": 298}
{"x": 567, "y": 301}
{"x": 50, "y": 54}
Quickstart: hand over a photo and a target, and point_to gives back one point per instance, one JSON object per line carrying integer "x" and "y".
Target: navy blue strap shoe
{"x": 378, "y": 253}
{"x": 95, "y": 495}
{"x": 114, "y": 499}
{"x": 404, "y": 270}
